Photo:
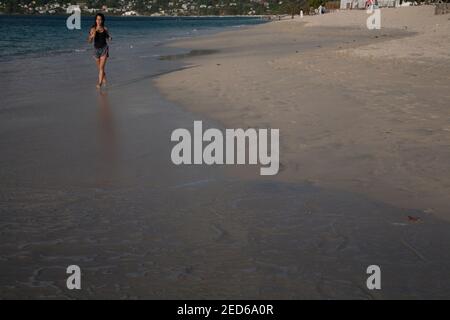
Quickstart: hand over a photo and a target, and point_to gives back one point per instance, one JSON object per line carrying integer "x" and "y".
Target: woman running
{"x": 100, "y": 34}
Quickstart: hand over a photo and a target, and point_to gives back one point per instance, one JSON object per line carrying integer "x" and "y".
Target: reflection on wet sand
{"x": 107, "y": 142}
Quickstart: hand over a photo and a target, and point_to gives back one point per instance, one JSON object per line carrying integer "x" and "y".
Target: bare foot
{"x": 98, "y": 85}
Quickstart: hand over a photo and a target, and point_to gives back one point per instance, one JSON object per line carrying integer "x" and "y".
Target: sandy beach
{"x": 87, "y": 177}
{"x": 360, "y": 110}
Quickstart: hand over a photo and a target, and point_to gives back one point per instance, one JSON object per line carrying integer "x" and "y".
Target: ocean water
{"x": 47, "y": 35}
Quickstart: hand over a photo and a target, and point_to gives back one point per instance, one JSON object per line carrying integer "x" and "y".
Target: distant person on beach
{"x": 99, "y": 33}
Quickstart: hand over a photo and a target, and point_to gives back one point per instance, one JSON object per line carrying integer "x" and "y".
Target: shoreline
{"x": 357, "y": 122}
{"x": 87, "y": 179}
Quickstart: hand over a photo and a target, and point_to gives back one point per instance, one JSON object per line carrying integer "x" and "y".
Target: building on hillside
{"x": 361, "y": 4}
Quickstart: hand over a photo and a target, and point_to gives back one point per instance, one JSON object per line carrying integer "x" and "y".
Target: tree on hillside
{"x": 293, "y": 7}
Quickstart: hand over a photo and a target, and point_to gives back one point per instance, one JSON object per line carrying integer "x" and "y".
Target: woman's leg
{"x": 102, "y": 74}
{"x": 97, "y": 61}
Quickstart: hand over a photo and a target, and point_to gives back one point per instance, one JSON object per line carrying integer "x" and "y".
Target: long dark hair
{"x": 101, "y": 15}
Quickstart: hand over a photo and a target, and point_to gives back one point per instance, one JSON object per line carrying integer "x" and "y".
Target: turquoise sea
{"x": 46, "y": 35}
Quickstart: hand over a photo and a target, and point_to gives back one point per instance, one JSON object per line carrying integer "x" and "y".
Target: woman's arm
{"x": 108, "y": 34}
{"x": 91, "y": 35}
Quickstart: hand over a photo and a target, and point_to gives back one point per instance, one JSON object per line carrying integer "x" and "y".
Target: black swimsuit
{"x": 100, "y": 39}
{"x": 100, "y": 44}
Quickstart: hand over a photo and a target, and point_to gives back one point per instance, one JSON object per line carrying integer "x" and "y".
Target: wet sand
{"x": 86, "y": 179}
{"x": 221, "y": 239}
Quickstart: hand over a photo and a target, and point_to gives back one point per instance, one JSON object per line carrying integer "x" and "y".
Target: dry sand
{"x": 431, "y": 40}
{"x": 359, "y": 110}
